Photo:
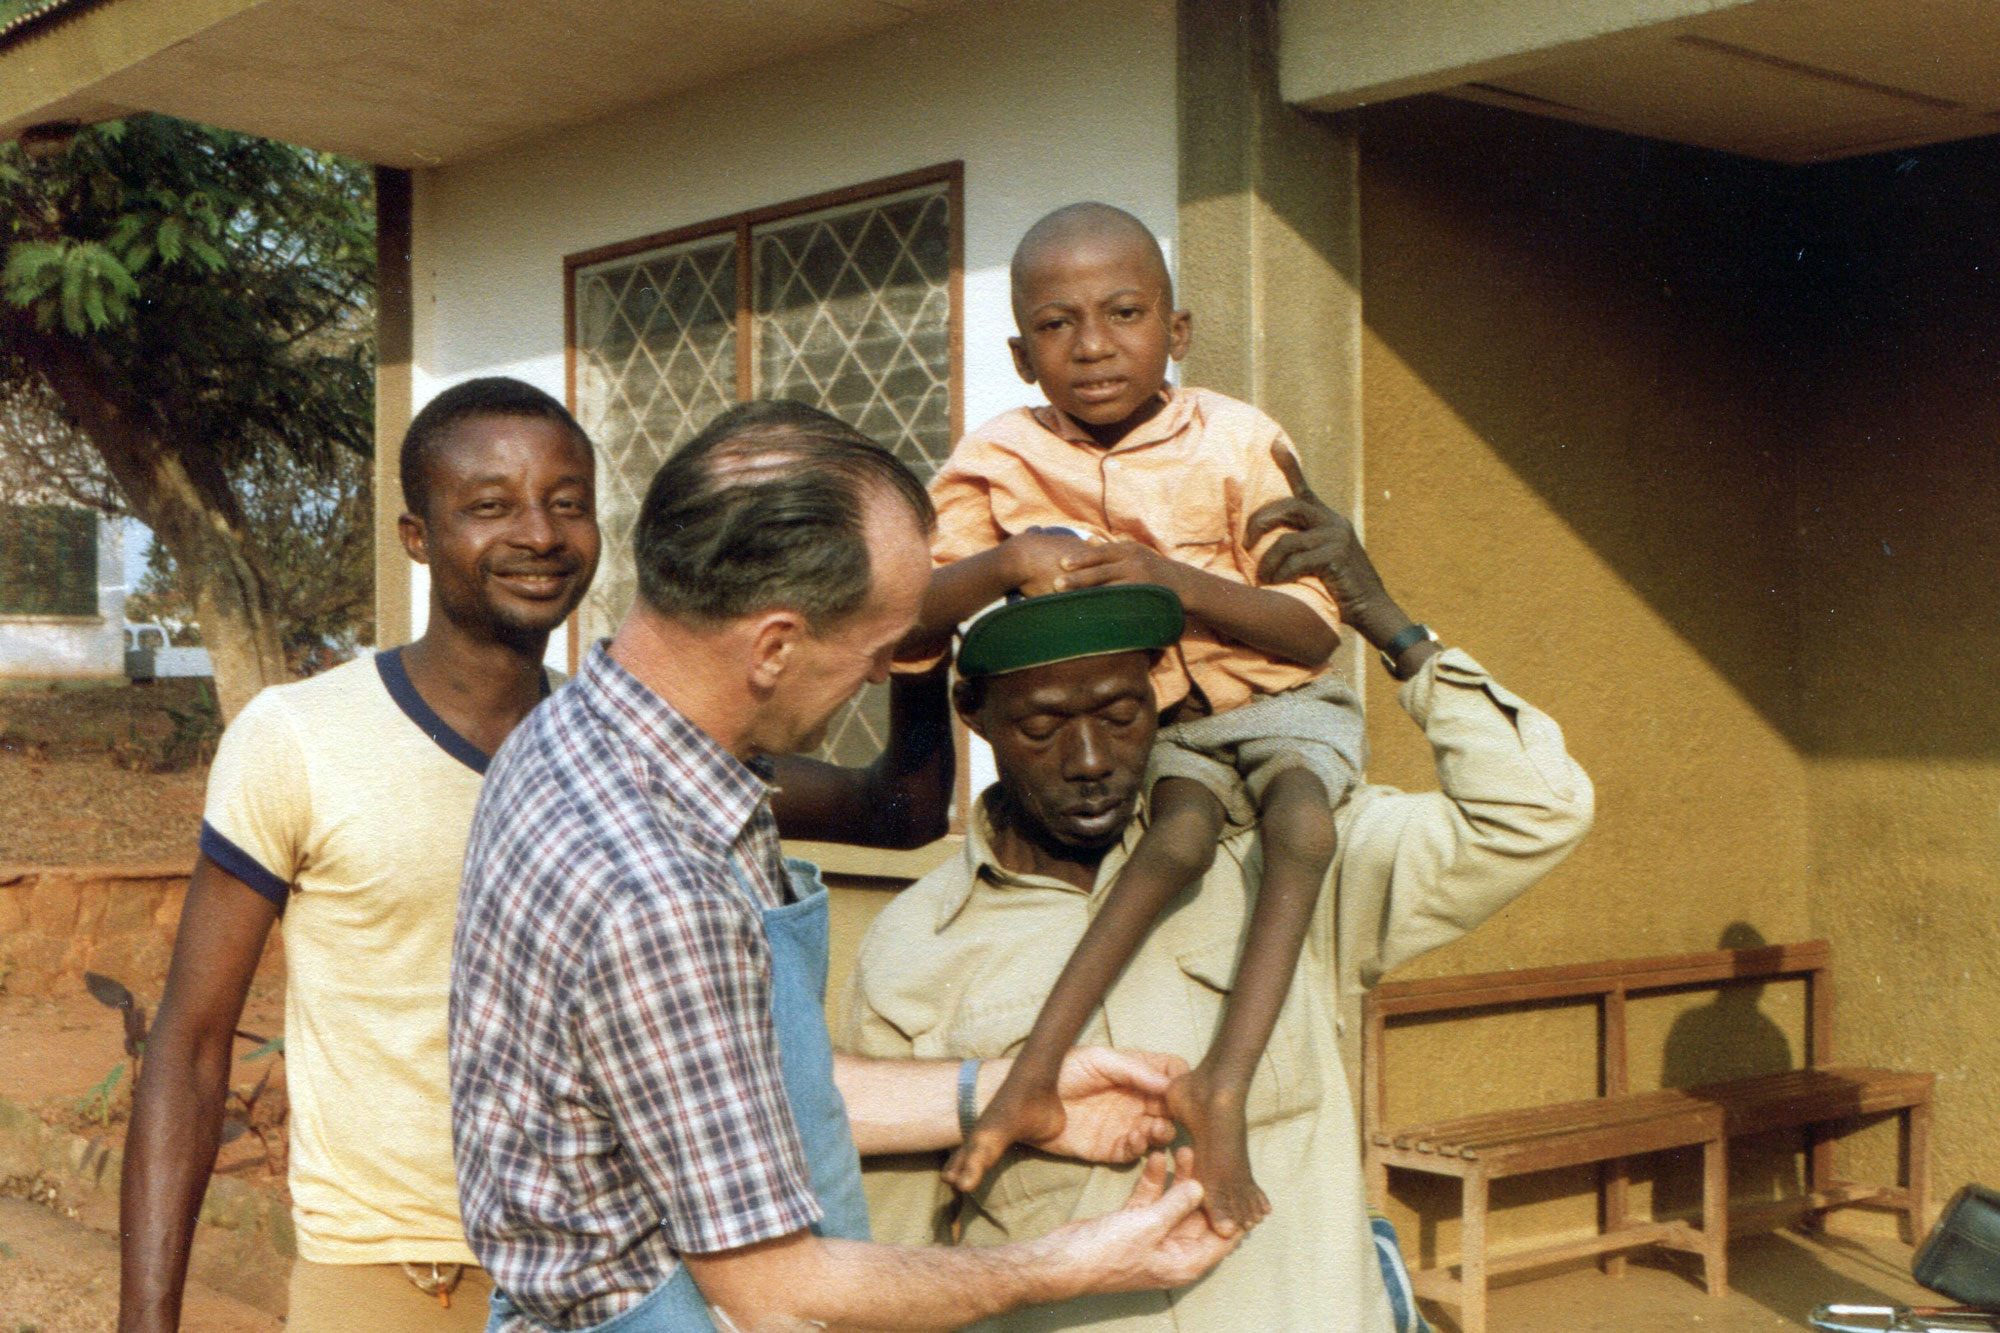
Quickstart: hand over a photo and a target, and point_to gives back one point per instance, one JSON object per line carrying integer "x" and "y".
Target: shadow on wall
{"x": 1763, "y": 394}
{"x": 1731, "y": 1037}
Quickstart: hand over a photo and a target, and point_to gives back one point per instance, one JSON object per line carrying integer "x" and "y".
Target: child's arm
{"x": 1268, "y": 621}
{"x": 1030, "y": 561}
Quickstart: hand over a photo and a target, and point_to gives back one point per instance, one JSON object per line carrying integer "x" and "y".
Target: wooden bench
{"x": 1822, "y": 1099}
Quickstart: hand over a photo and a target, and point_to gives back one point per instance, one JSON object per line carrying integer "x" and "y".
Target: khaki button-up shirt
{"x": 959, "y": 964}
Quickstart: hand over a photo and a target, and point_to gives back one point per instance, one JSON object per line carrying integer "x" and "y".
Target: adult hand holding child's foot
{"x": 1213, "y": 1117}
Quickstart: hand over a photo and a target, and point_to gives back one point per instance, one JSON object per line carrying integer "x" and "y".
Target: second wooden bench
{"x": 1823, "y": 1099}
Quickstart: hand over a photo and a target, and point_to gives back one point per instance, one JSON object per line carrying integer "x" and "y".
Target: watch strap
{"x": 1405, "y": 639}
{"x": 968, "y": 1098}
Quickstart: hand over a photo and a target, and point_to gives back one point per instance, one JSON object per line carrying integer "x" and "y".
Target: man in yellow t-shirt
{"x": 343, "y": 804}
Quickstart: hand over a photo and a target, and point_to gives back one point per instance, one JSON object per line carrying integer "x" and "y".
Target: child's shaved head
{"x": 1074, "y": 223}
{"x": 1094, "y": 305}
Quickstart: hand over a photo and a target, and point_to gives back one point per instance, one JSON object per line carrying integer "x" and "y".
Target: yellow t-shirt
{"x": 348, "y": 801}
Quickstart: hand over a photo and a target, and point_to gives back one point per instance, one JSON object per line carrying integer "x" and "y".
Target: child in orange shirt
{"x": 1163, "y": 480}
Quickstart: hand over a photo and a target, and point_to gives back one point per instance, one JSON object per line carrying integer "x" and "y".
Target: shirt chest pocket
{"x": 985, "y": 1031}
{"x": 1288, "y": 1080}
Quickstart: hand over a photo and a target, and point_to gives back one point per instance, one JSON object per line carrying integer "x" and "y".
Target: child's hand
{"x": 1118, "y": 562}
{"x": 1037, "y": 558}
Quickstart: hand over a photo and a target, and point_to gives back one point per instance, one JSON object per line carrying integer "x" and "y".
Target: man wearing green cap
{"x": 958, "y": 965}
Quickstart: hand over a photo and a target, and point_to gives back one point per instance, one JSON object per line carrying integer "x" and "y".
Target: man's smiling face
{"x": 511, "y": 529}
{"x": 1070, "y": 740}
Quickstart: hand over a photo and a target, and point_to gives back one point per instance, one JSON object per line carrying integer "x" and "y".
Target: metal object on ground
{"x": 1905, "y": 1319}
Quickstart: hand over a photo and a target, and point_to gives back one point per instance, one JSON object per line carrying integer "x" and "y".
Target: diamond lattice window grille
{"x": 853, "y": 315}
{"x": 850, "y": 311}
{"x": 655, "y": 359}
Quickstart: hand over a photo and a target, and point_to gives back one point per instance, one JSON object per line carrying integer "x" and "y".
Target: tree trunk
{"x": 177, "y": 488}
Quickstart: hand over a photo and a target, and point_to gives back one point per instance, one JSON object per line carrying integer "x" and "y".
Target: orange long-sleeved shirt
{"x": 1182, "y": 484}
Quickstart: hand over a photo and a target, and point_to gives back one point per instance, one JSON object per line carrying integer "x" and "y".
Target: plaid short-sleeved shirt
{"x": 615, "y": 1086}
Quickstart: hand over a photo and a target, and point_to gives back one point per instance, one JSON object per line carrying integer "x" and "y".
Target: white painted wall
{"x": 79, "y": 647}
{"x": 1045, "y": 101}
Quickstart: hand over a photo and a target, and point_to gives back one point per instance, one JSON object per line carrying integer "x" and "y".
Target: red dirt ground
{"x": 79, "y": 784}
{"x": 73, "y": 785}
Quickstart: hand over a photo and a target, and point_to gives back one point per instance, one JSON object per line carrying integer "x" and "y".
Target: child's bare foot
{"x": 1213, "y": 1118}
{"x": 1017, "y": 1114}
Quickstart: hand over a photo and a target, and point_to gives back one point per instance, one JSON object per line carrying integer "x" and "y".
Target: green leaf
{"x": 125, "y": 231}
{"x": 210, "y": 258}
{"x": 73, "y": 276}
{"x": 96, "y": 1103}
{"x": 168, "y": 239}
{"x": 33, "y": 270}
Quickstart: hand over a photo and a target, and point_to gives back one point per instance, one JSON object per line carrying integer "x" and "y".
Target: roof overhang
{"x": 407, "y": 83}
{"x": 1784, "y": 80}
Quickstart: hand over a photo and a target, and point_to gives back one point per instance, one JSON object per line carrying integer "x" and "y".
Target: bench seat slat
{"x": 1527, "y": 1121}
{"x": 1769, "y": 1101}
{"x": 1600, "y": 1143}
{"x": 1813, "y": 1096}
{"x": 1563, "y": 1127}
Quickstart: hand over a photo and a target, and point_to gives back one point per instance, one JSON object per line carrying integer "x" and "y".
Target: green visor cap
{"x": 1061, "y": 626}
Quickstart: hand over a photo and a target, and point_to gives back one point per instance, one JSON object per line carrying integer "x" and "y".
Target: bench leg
{"x": 1614, "y": 1210}
{"x": 1377, "y": 1179}
{"x": 1916, "y": 1146}
{"x": 1819, "y": 1174}
{"x": 1472, "y": 1253}
{"x": 1715, "y": 1215}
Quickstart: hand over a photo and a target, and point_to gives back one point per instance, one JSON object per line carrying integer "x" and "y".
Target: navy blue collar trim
{"x": 397, "y": 681}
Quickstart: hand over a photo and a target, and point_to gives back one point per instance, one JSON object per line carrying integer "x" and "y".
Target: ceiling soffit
{"x": 1783, "y": 80}
{"x": 417, "y": 83}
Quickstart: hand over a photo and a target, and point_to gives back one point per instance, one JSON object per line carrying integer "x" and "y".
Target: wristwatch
{"x": 1410, "y": 636}
{"x": 968, "y": 1098}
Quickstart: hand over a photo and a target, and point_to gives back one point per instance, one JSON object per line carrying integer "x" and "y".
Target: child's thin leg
{"x": 1209, "y": 1100}
{"x": 1176, "y": 849}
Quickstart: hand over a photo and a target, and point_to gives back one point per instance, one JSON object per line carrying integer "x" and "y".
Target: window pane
{"x": 655, "y": 359}
{"x": 853, "y": 309}
{"x": 48, "y": 561}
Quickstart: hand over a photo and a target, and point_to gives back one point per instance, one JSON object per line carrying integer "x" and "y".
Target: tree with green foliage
{"x": 200, "y": 304}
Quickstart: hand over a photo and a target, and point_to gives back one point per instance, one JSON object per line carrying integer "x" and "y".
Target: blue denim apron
{"x": 797, "y": 934}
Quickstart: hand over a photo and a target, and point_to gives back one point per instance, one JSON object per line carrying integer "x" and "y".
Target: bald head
{"x": 1079, "y": 227}
{"x": 770, "y": 505}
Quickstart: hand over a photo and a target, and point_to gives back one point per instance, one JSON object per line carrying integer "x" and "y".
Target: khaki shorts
{"x": 380, "y": 1298}
{"x": 1236, "y": 754}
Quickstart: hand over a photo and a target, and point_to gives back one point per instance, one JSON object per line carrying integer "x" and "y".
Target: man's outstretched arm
{"x": 1115, "y": 1102}
{"x": 903, "y": 799}
{"x": 801, "y": 1282}
{"x": 183, "y": 1081}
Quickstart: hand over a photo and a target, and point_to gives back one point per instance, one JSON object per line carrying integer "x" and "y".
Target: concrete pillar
{"x": 1270, "y": 245}
{"x": 392, "y": 399}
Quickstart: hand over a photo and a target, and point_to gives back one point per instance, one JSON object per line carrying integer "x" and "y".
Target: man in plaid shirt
{"x": 650, "y": 1125}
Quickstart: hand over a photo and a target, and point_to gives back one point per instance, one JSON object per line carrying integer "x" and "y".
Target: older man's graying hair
{"x": 764, "y": 508}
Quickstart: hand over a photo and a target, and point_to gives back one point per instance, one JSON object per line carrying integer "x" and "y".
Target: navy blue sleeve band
{"x": 244, "y": 866}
